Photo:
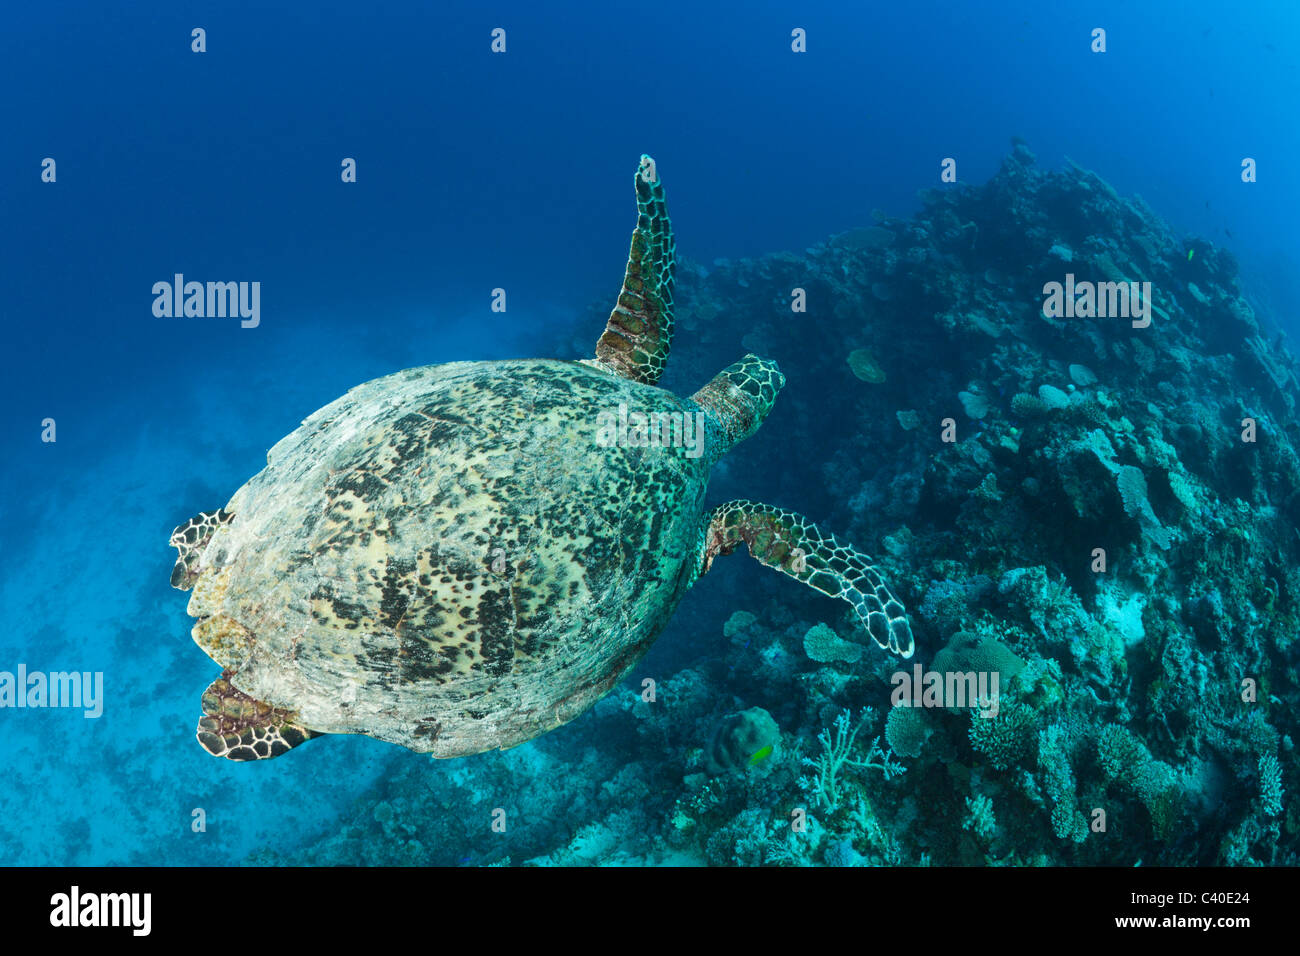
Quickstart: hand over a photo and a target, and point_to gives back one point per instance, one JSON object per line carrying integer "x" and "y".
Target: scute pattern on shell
{"x": 445, "y": 558}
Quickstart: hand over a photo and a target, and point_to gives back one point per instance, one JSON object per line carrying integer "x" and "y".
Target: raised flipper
{"x": 237, "y": 727}
{"x": 639, "y": 332}
{"x": 190, "y": 539}
{"x": 792, "y": 544}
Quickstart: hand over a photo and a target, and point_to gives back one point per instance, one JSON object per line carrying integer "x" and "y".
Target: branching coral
{"x": 979, "y": 817}
{"x": 1007, "y": 738}
{"x": 838, "y": 755}
{"x": 907, "y": 729}
{"x": 1270, "y": 785}
{"x": 1058, "y": 781}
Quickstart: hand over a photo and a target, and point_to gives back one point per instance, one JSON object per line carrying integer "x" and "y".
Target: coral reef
{"x": 1102, "y": 513}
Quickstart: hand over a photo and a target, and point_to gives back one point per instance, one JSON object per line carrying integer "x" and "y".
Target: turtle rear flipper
{"x": 190, "y": 539}
{"x": 639, "y": 332}
{"x": 239, "y": 727}
{"x": 793, "y": 545}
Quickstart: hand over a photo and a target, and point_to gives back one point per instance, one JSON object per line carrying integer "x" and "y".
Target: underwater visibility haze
{"x": 342, "y": 419}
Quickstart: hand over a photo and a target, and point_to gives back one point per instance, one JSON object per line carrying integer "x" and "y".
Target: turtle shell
{"x": 455, "y": 558}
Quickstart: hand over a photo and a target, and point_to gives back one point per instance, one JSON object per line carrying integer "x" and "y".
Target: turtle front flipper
{"x": 639, "y": 332}
{"x": 238, "y": 727}
{"x": 792, "y": 544}
{"x": 190, "y": 539}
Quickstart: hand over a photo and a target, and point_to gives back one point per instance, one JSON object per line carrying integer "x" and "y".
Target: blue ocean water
{"x": 477, "y": 171}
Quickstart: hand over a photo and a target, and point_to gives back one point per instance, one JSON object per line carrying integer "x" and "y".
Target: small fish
{"x": 1190, "y": 253}
{"x": 760, "y": 756}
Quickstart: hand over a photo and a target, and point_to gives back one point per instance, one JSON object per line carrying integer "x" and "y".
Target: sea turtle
{"x": 461, "y": 557}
